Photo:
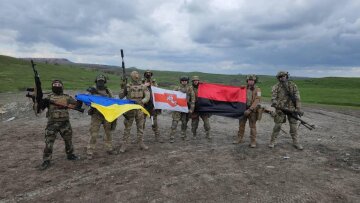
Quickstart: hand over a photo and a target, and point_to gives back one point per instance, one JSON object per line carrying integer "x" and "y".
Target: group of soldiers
{"x": 285, "y": 95}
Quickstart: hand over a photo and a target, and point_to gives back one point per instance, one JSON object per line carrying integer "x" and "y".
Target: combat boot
{"x": 253, "y": 138}
{"x": 123, "y": 147}
{"x": 296, "y": 143}
{"x": 112, "y": 152}
{"x": 207, "y": 135}
{"x": 183, "y": 135}
{"x": 72, "y": 157}
{"x": 158, "y": 138}
{"x": 45, "y": 165}
{"x": 142, "y": 146}
{"x": 239, "y": 139}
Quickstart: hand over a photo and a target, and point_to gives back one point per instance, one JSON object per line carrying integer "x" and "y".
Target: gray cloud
{"x": 319, "y": 37}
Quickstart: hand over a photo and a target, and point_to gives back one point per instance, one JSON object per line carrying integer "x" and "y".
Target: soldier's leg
{"x": 140, "y": 130}
{"x": 108, "y": 137}
{"x": 252, "y": 125}
{"x": 66, "y": 134}
{"x": 194, "y": 123}
{"x": 176, "y": 117}
{"x": 155, "y": 128}
{"x": 294, "y": 134}
{"x": 129, "y": 119}
{"x": 279, "y": 119}
{"x": 205, "y": 118}
{"x": 184, "y": 121}
{"x": 240, "y": 135}
{"x": 50, "y": 136}
{"x": 94, "y": 131}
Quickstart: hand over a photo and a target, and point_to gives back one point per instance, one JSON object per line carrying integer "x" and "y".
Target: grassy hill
{"x": 16, "y": 75}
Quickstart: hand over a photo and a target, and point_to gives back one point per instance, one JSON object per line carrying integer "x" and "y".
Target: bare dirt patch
{"x": 327, "y": 170}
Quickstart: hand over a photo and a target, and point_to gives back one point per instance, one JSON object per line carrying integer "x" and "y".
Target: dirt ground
{"x": 327, "y": 170}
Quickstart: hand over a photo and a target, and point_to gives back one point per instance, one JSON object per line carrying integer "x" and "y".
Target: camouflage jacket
{"x": 57, "y": 112}
{"x": 190, "y": 95}
{"x": 253, "y": 97}
{"x": 150, "y": 105}
{"x": 136, "y": 91}
{"x": 282, "y": 93}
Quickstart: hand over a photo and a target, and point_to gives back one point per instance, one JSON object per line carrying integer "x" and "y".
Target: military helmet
{"x": 195, "y": 77}
{"x": 282, "y": 73}
{"x": 148, "y": 71}
{"x": 184, "y": 78}
{"x": 134, "y": 75}
{"x": 251, "y": 77}
{"x": 100, "y": 77}
{"x": 56, "y": 82}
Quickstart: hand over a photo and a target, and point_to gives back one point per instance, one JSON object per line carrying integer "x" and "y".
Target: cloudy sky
{"x": 305, "y": 37}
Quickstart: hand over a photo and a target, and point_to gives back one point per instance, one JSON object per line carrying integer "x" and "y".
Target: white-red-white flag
{"x": 169, "y": 99}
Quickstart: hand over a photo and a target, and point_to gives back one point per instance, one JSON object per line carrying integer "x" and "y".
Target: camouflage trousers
{"x": 179, "y": 116}
{"x": 52, "y": 128}
{"x": 252, "y": 125}
{"x": 130, "y": 116}
{"x": 96, "y": 120}
{"x": 195, "y": 119}
{"x": 279, "y": 119}
{"x": 155, "y": 126}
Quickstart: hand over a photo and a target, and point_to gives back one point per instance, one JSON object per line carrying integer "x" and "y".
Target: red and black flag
{"x": 222, "y": 100}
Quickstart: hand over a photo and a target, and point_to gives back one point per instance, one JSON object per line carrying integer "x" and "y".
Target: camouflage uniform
{"x": 150, "y": 105}
{"x": 139, "y": 93}
{"x": 253, "y": 96}
{"x": 58, "y": 122}
{"x": 281, "y": 99}
{"x": 195, "y": 116}
{"x": 184, "y": 117}
{"x": 97, "y": 119}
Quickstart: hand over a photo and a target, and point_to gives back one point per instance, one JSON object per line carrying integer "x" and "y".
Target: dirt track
{"x": 327, "y": 170}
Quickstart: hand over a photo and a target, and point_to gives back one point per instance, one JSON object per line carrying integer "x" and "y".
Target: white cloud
{"x": 235, "y": 36}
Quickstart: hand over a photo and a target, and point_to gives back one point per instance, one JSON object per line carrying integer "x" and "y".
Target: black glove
{"x": 92, "y": 90}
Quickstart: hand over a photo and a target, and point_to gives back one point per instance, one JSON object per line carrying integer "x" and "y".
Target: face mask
{"x": 100, "y": 84}
{"x": 57, "y": 90}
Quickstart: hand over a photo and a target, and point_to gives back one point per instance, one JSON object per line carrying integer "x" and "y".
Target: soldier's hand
{"x": 190, "y": 111}
{"x": 247, "y": 112}
{"x": 147, "y": 84}
{"x": 92, "y": 90}
{"x": 299, "y": 112}
{"x": 140, "y": 103}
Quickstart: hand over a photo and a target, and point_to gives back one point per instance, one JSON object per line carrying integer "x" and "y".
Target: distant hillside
{"x": 16, "y": 75}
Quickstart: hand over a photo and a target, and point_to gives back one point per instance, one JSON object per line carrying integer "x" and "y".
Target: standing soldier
{"x": 253, "y": 96}
{"x": 184, "y": 117}
{"x": 139, "y": 93}
{"x": 195, "y": 117}
{"x": 58, "y": 122}
{"x": 97, "y": 118}
{"x": 286, "y": 96}
{"x": 149, "y": 81}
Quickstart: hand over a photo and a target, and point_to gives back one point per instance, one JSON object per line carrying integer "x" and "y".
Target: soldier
{"x": 285, "y": 95}
{"x": 184, "y": 117}
{"x": 97, "y": 119}
{"x": 58, "y": 122}
{"x": 195, "y": 116}
{"x": 149, "y": 81}
{"x": 139, "y": 93}
{"x": 253, "y": 96}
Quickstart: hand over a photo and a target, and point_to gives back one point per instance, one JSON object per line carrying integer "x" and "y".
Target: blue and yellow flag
{"x": 110, "y": 108}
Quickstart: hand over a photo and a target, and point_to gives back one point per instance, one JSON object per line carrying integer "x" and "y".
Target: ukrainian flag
{"x": 110, "y": 108}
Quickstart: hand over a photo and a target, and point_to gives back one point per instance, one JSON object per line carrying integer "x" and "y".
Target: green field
{"x": 16, "y": 75}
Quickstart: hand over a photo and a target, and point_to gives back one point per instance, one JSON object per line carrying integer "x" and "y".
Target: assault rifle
{"x": 295, "y": 115}
{"x": 36, "y": 95}
{"x": 272, "y": 114}
{"x": 124, "y": 78}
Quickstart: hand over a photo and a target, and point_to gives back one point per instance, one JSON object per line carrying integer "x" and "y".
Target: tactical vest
{"x": 55, "y": 112}
{"x": 135, "y": 91}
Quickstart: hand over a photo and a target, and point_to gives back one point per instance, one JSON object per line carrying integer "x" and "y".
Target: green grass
{"x": 16, "y": 75}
